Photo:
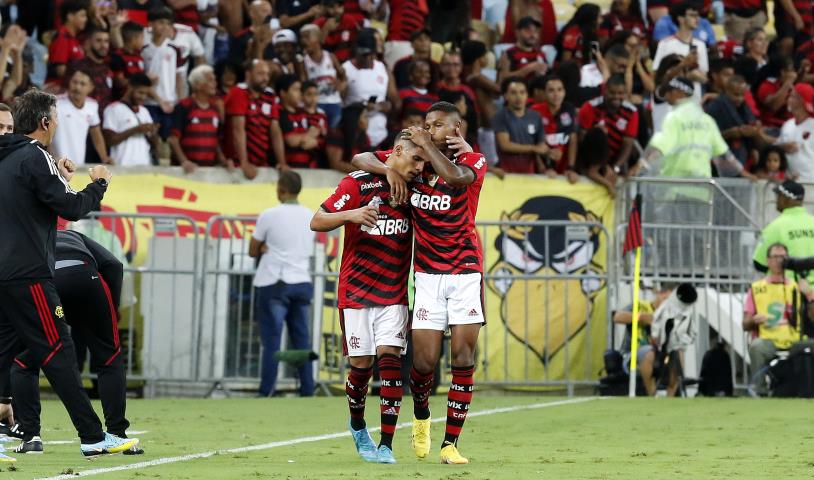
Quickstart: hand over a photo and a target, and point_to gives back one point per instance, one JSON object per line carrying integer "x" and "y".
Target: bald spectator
{"x": 196, "y": 124}
{"x": 66, "y": 47}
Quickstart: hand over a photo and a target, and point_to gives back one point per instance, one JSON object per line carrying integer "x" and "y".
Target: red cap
{"x": 806, "y": 93}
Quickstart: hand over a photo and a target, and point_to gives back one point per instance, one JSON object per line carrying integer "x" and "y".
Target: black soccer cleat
{"x": 33, "y": 446}
{"x": 5, "y": 430}
{"x": 15, "y": 432}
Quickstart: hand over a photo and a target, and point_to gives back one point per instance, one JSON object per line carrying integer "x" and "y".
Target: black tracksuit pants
{"x": 91, "y": 313}
{"x": 32, "y": 318}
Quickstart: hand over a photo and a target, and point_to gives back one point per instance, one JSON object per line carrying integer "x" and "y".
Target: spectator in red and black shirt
{"x": 417, "y": 96}
{"x": 574, "y": 40}
{"x": 524, "y": 60}
{"x": 196, "y": 124}
{"x": 559, "y": 123}
{"x": 136, "y": 10}
{"x": 315, "y": 116}
{"x": 778, "y": 78}
{"x": 793, "y": 21}
{"x": 250, "y": 108}
{"x": 406, "y": 18}
{"x": 128, "y": 60}
{"x": 65, "y": 47}
{"x": 339, "y": 29}
{"x": 97, "y": 64}
{"x": 618, "y": 118}
{"x": 422, "y": 50}
{"x": 301, "y": 140}
{"x": 625, "y": 15}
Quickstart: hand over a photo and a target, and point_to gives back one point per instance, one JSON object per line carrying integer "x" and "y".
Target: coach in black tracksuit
{"x": 88, "y": 279}
{"x": 33, "y": 191}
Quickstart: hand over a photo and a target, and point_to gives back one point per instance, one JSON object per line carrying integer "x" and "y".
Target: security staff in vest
{"x": 34, "y": 190}
{"x": 88, "y": 279}
{"x": 769, "y": 314}
{"x": 794, "y": 228}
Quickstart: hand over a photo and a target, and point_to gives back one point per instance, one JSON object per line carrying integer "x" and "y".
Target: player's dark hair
{"x": 291, "y": 182}
{"x": 507, "y": 82}
{"x": 30, "y": 109}
{"x": 4, "y": 107}
{"x": 130, "y": 30}
{"x": 140, "y": 80}
{"x": 71, "y": 6}
{"x": 445, "y": 107}
{"x": 285, "y": 82}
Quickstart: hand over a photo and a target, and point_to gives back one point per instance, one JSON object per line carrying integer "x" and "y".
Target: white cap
{"x": 284, "y": 35}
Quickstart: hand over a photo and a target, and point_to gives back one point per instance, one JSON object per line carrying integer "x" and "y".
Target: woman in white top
{"x": 369, "y": 79}
{"x": 324, "y": 69}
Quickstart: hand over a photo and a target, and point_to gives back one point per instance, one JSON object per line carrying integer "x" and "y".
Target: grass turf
{"x": 615, "y": 438}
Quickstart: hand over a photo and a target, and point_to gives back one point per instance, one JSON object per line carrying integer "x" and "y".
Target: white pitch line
{"x": 68, "y": 442}
{"x": 297, "y": 441}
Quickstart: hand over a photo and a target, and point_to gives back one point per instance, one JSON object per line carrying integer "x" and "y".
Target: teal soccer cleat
{"x": 364, "y": 444}
{"x": 385, "y": 455}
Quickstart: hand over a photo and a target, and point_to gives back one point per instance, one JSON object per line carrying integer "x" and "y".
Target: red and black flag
{"x": 633, "y": 235}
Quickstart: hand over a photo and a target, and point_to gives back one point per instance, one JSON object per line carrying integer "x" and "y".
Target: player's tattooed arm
{"x": 325, "y": 222}
{"x": 368, "y": 162}
{"x": 454, "y": 175}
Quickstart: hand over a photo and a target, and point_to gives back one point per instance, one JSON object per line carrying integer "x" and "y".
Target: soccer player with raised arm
{"x": 373, "y": 288}
{"x": 448, "y": 268}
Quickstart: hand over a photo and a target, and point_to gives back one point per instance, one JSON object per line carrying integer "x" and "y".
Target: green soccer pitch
{"x": 506, "y": 437}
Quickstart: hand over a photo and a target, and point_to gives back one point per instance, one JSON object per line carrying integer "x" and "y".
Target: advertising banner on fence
{"x": 540, "y": 327}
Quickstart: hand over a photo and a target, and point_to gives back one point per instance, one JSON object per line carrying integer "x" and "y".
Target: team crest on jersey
{"x": 345, "y": 35}
{"x": 58, "y": 311}
{"x": 266, "y": 109}
{"x": 621, "y": 124}
{"x": 565, "y": 119}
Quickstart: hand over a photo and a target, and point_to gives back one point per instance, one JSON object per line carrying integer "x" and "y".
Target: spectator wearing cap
{"x": 473, "y": 57}
{"x": 249, "y": 108}
{"x": 339, "y": 29}
{"x": 78, "y": 116}
{"x": 163, "y": 62}
{"x": 559, "y": 123}
{"x": 519, "y": 133}
{"x": 127, "y": 60}
{"x": 97, "y": 64}
{"x": 524, "y": 60}
{"x": 371, "y": 84}
{"x": 302, "y": 141}
{"x": 682, "y": 41}
{"x": 797, "y": 134}
{"x": 416, "y": 96}
{"x": 283, "y": 58}
{"x": 294, "y": 14}
{"x": 253, "y": 40}
{"x": 794, "y": 228}
{"x": 735, "y": 120}
{"x": 422, "y": 50}
{"x": 741, "y": 16}
{"x": 407, "y": 17}
{"x": 669, "y": 25}
{"x": 323, "y": 68}
{"x": 66, "y": 46}
{"x": 620, "y": 121}
{"x": 576, "y": 37}
{"x": 128, "y": 126}
{"x": 689, "y": 140}
{"x": 196, "y": 124}
{"x": 540, "y": 10}
{"x": 624, "y": 15}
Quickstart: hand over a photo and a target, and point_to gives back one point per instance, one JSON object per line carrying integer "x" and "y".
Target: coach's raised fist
{"x": 100, "y": 171}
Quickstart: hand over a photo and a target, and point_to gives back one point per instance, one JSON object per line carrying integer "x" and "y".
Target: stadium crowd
{"x": 309, "y": 83}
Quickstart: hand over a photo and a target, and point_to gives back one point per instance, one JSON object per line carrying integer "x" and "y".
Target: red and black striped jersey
{"x": 773, "y": 118}
{"x": 375, "y": 261}
{"x": 519, "y": 58}
{"x": 341, "y": 40}
{"x": 296, "y": 123}
{"x": 806, "y": 11}
{"x": 618, "y": 125}
{"x": 412, "y": 99}
{"x": 64, "y": 48}
{"x": 197, "y": 131}
{"x": 259, "y": 109}
{"x": 126, "y": 63}
{"x": 446, "y": 241}
{"x": 406, "y": 18}
{"x": 558, "y": 129}
{"x": 612, "y": 23}
{"x": 188, "y": 16}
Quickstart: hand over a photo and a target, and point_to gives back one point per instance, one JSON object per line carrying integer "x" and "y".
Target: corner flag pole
{"x": 634, "y": 241}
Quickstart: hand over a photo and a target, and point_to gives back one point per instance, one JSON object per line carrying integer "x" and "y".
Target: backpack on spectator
{"x": 716, "y": 373}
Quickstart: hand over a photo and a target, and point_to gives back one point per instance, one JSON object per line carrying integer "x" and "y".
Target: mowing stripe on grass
{"x": 297, "y": 441}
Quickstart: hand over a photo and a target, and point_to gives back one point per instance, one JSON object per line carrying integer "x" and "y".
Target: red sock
{"x": 356, "y": 391}
{"x": 421, "y": 387}
{"x": 390, "y": 395}
{"x": 458, "y": 400}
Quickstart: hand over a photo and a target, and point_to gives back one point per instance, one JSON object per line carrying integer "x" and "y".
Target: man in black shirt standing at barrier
{"x": 34, "y": 190}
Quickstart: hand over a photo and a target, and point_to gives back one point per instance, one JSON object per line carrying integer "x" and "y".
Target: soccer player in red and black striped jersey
{"x": 618, "y": 118}
{"x": 250, "y": 108}
{"x": 448, "y": 268}
{"x": 417, "y": 96}
{"x": 373, "y": 288}
{"x": 523, "y": 60}
{"x": 196, "y": 122}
